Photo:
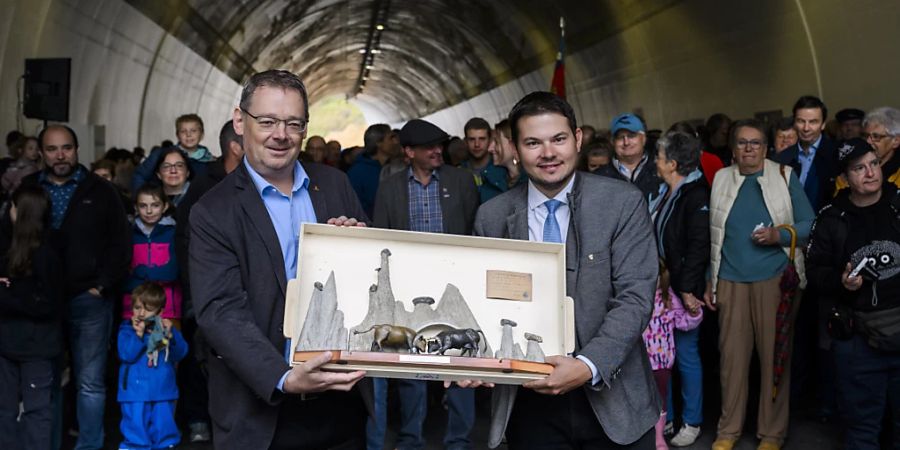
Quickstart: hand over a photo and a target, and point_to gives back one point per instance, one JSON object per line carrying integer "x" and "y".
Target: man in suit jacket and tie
{"x": 432, "y": 197}
{"x": 611, "y": 270}
{"x": 243, "y": 249}
{"x": 814, "y": 157}
{"x": 814, "y": 160}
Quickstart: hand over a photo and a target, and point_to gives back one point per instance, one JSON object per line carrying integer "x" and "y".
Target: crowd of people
{"x": 780, "y": 239}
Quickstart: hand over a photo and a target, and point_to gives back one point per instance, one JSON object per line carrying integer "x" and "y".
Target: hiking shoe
{"x": 686, "y": 436}
{"x": 723, "y": 444}
{"x": 199, "y": 432}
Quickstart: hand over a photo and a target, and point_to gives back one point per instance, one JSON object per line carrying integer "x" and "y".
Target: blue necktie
{"x": 551, "y": 226}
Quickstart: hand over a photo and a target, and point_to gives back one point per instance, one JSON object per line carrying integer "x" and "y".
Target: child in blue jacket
{"x": 149, "y": 347}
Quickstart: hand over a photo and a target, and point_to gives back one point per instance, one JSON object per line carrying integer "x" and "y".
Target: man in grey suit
{"x": 611, "y": 270}
{"x": 243, "y": 249}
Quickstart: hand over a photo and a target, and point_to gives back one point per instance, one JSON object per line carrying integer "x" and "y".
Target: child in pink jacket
{"x": 659, "y": 337}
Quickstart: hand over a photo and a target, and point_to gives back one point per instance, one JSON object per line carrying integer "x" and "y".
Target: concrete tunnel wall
{"x": 129, "y": 81}
{"x": 130, "y": 78}
{"x": 704, "y": 56}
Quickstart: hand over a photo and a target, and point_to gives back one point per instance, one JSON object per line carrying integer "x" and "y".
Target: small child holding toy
{"x": 149, "y": 347}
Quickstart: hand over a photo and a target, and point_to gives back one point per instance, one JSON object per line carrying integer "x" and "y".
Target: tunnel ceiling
{"x": 432, "y": 54}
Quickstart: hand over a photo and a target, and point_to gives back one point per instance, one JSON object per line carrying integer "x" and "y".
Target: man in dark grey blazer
{"x": 611, "y": 270}
{"x": 243, "y": 249}
{"x": 422, "y": 142}
{"x": 432, "y": 197}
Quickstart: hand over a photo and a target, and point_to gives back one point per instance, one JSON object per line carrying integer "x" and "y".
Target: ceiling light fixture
{"x": 377, "y": 23}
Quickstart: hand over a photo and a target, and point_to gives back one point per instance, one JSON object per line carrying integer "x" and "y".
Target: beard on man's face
{"x": 62, "y": 169}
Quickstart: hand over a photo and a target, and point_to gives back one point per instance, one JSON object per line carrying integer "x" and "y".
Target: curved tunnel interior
{"x": 137, "y": 64}
{"x": 410, "y": 58}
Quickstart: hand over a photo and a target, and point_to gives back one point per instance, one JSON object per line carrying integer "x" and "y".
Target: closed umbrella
{"x": 789, "y": 284}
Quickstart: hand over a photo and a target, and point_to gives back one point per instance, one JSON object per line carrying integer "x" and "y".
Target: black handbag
{"x": 881, "y": 328}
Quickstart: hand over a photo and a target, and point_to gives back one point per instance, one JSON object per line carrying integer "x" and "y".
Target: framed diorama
{"x": 402, "y": 304}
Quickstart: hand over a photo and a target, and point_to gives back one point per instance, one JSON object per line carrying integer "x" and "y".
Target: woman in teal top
{"x": 745, "y": 260}
{"x": 751, "y": 258}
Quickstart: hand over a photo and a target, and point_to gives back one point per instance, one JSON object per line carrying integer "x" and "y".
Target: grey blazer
{"x": 238, "y": 286}
{"x": 459, "y": 201}
{"x": 611, "y": 270}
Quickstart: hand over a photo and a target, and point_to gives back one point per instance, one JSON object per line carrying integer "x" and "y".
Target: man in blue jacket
{"x": 381, "y": 144}
{"x": 491, "y": 180}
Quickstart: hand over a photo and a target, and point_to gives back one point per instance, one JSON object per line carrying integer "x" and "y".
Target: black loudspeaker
{"x": 47, "y": 89}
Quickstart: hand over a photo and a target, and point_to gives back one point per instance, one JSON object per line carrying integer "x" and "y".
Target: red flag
{"x": 558, "y": 84}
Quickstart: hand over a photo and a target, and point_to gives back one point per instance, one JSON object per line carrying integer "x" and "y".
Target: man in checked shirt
{"x": 431, "y": 197}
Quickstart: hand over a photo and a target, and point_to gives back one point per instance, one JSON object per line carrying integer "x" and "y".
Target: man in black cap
{"x": 432, "y": 197}
{"x": 428, "y": 196}
{"x": 854, "y": 258}
{"x": 850, "y": 120}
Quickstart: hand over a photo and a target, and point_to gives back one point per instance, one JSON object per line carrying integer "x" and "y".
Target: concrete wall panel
{"x": 129, "y": 78}
{"x": 705, "y": 56}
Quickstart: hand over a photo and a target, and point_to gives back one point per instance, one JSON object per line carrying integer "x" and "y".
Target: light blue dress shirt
{"x": 537, "y": 215}
{"x": 287, "y": 212}
{"x": 806, "y": 159}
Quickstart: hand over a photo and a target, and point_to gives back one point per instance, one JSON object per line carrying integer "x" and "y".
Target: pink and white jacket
{"x": 659, "y": 337}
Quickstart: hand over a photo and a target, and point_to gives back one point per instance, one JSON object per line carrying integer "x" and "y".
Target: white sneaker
{"x": 686, "y": 436}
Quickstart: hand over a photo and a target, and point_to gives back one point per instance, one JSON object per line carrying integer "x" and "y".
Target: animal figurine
{"x": 391, "y": 336}
{"x": 466, "y": 340}
{"x": 156, "y": 340}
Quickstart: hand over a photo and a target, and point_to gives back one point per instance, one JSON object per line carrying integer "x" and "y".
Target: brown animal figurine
{"x": 391, "y": 336}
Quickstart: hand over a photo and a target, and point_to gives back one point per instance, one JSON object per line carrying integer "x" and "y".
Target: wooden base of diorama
{"x": 432, "y": 367}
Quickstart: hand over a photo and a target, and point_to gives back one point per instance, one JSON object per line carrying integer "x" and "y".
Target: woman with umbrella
{"x": 749, "y": 256}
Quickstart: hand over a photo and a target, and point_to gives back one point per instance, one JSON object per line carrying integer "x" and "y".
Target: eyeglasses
{"x": 179, "y": 166}
{"x": 268, "y": 124}
{"x": 874, "y": 137}
{"x": 754, "y": 144}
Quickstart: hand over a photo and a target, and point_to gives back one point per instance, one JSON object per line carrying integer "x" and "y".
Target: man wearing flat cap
{"x": 850, "y": 120}
{"x": 428, "y": 196}
{"x": 432, "y": 197}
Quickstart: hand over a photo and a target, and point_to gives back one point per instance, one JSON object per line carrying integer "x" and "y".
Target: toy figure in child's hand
{"x": 160, "y": 331}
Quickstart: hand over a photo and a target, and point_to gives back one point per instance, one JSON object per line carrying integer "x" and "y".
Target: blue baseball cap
{"x": 627, "y": 121}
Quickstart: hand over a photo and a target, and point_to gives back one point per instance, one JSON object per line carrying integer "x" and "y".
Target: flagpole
{"x": 558, "y": 82}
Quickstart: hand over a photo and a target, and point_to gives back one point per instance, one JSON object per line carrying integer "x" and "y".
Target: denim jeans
{"x": 413, "y": 408}
{"x": 377, "y": 426}
{"x": 90, "y": 325}
{"x": 687, "y": 361}
{"x": 867, "y": 380}
{"x": 461, "y": 418}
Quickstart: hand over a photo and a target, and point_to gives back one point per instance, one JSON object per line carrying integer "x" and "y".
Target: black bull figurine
{"x": 465, "y": 340}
